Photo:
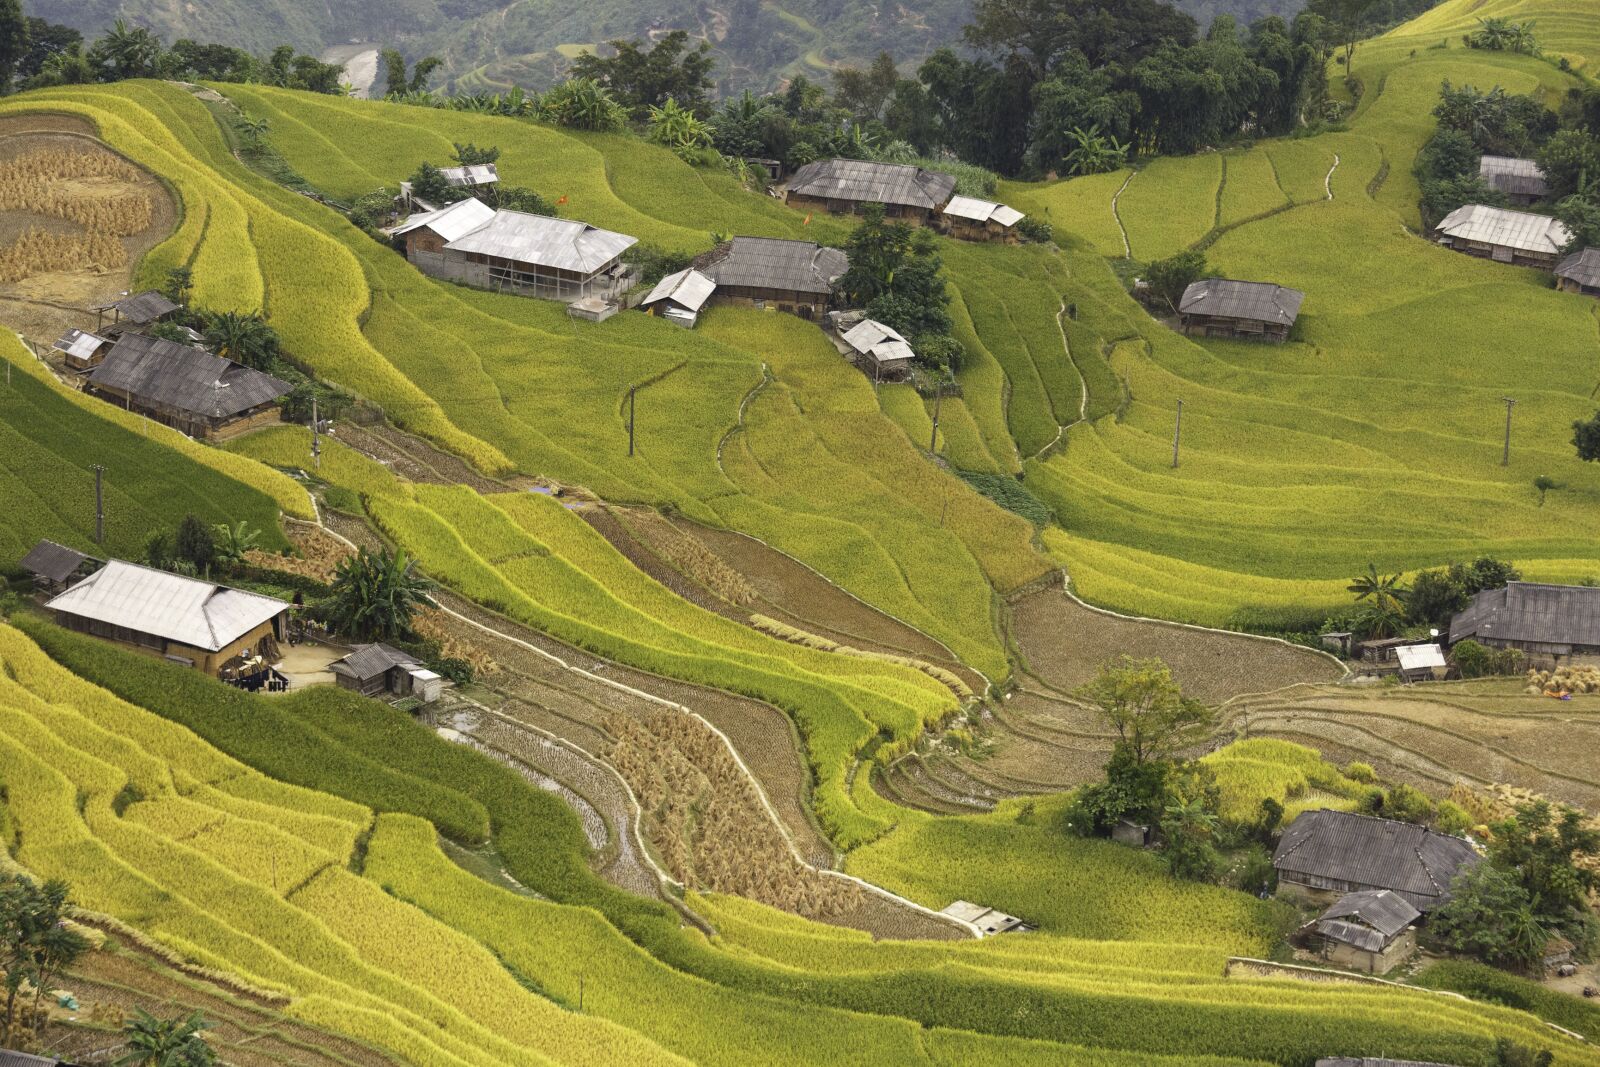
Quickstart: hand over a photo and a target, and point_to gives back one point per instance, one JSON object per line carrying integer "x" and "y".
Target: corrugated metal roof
{"x": 50, "y": 560}
{"x": 1582, "y": 267}
{"x": 457, "y": 220}
{"x": 883, "y": 344}
{"x": 189, "y": 379}
{"x": 1419, "y": 657}
{"x": 1374, "y": 1061}
{"x": 8, "y": 1058}
{"x": 141, "y": 308}
{"x": 79, "y": 344}
{"x": 968, "y": 207}
{"x": 770, "y": 263}
{"x": 864, "y": 181}
{"x": 1532, "y": 612}
{"x": 369, "y": 661}
{"x": 1515, "y": 177}
{"x": 1229, "y": 299}
{"x": 687, "y": 288}
{"x": 1521, "y": 230}
{"x": 1377, "y": 853}
{"x": 477, "y": 174}
{"x": 564, "y": 244}
{"x": 1386, "y": 912}
{"x": 187, "y": 610}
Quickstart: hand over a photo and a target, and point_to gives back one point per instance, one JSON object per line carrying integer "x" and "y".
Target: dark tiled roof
{"x": 1532, "y": 612}
{"x": 1374, "y": 1061}
{"x": 1361, "y": 850}
{"x": 8, "y": 1058}
{"x": 1582, "y": 267}
{"x": 370, "y": 661}
{"x": 142, "y": 308}
{"x": 189, "y": 379}
{"x": 55, "y": 562}
{"x": 867, "y": 182}
{"x": 1368, "y": 919}
{"x": 1228, "y": 299}
{"x": 769, "y": 263}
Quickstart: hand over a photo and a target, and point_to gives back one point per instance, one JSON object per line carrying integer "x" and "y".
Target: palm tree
{"x": 376, "y": 593}
{"x": 233, "y": 542}
{"x": 244, "y": 339}
{"x": 130, "y": 53}
{"x": 584, "y": 104}
{"x": 154, "y": 1042}
{"x": 678, "y": 128}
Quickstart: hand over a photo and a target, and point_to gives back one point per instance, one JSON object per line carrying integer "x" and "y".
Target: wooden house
{"x": 1369, "y": 930}
{"x": 82, "y": 350}
{"x": 1421, "y": 663}
{"x": 379, "y": 669}
{"x": 1579, "y": 272}
{"x": 1505, "y": 236}
{"x": 1221, "y": 307}
{"x": 140, "y": 309}
{"x": 846, "y": 186}
{"x": 1557, "y": 621}
{"x": 56, "y": 568}
{"x": 765, "y": 272}
{"x": 879, "y": 349}
{"x": 516, "y": 252}
{"x": 679, "y": 297}
{"x": 477, "y": 176}
{"x": 185, "y": 387}
{"x": 971, "y": 219}
{"x": 1325, "y": 854}
{"x": 183, "y": 620}
{"x": 1520, "y": 181}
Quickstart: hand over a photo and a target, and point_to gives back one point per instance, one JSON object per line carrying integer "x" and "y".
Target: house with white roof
{"x": 184, "y": 620}
{"x": 880, "y": 348}
{"x": 679, "y": 297}
{"x": 972, "y": 219}
{"x": 516, "y": 252}
{"x": 1505, "y": 236}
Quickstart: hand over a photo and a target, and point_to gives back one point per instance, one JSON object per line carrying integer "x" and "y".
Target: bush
{"x": 1474, "y": 660}
{"x": 1035, "y": 230}
{"x": 1360, "y": 772}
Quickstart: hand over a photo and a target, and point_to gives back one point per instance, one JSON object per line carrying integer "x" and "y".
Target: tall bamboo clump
{"x": 707, "y": 821}
{"x": 32, "y": 183}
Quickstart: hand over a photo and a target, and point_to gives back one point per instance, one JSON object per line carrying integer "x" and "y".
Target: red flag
{"x": 563, "y": 200}
{"x": 807, "y": 222}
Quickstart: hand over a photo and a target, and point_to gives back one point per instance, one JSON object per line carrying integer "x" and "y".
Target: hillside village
{"x": 625, "y": 575}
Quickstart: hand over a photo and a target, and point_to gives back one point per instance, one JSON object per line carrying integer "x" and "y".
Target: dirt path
{"x": 1327, "y": 182}
{"x": 1127, "y": 249}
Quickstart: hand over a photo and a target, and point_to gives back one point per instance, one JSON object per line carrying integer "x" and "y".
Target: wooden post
{"x": 938, "y": 397}
{"x": 1177, "y": 433}
{"x": 316, "y": 438}
{"x": 631, "y": 403}
{"x": 99, "y": 504}
{"x": 1505, "y": 455}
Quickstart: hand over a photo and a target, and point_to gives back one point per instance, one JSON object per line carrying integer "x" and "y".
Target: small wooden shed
{"x": 1520, "y": 181}
{"x": 1369, "y": 930}
{"x": 55, "y": 568}
{"x": 1580, "y": 272}
{"x": 81, "y": 349}
{"x": 765, "y": 272}
{"x": 378, "y": 669}
{"x": 1223, "y": 307}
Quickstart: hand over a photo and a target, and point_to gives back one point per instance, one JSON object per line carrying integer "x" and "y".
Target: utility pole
{"x": 933, "y": 444}
{"x": 99, "y": 504}
{"x": 632, "y": 389}
{"x": 1177, "y": 433}
{"x": 1505, "y": 456}
{"x": 316, "y": 437}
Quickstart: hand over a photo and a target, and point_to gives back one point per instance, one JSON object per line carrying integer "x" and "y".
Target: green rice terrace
{"x": 760, "y": 666}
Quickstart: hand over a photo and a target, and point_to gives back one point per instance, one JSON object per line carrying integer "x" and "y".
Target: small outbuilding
{"x": 1222, "y": 307}
{"x": 1421, "y": 663}
{"x": 56, "y": 568}
{"x": 679, "y": 297}
{"x": 140, "y": 309}
{"x": 1505, "y": 236}
{"x": 81, "y": 349}
{"x": 1520, "y": 181}
{"x": 474, "y": 177}
{"x": 846, "y": 186}
{"x": 1369, "y": 930}
{"x": 185, "y": 387}
{"x": 1385, "y": 651}
{"x": 592, "y": 309}
{"x": 1375, "y": 1061}
{"x": 1579, "y": 272}
{"x": 988, "y": 920}
{"x": 879, "y": 348}
{"x": 1325, "y": 854}
{"x": 379, "y": 669}
{"x": 1538, "y": 618}
{"x": 972, "y": 219}
{"x": 184, "y": 620}
{"x": 765, "y": 272}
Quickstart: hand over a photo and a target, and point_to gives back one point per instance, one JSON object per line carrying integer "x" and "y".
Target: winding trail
{"x": 1127, "y": 249}
{"x": 1327, "y": 182}
{"x": 1083, "y": 385}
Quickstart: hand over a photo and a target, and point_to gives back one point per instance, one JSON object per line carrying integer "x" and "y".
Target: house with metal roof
{"x": 1538, "y": 618}
{"x": 378, "y": 669}
{"x": 1369, "y": 930}
{"x": 185, "y": 387}
{"x": 1325, "y": 854}
{"x": 1521, "y": 181}
{"x": 82, "y": 349}
{"x": 765, "y": 272}
{"x": 846, "y": 186}
{"x": 879, "y": 348}
{"x": 517, "y": 252}
{"x": 472, "y": 177}
{"x": 1579, "y": 272}
{"x": 679, "y": 297}
{"x": 138, "y": 309}
{"x": 972, "y": 219}
{"x": 1421, "y": 663}
{"x": 1222, "y": 307}
{"x": 55, "y": 568}
{"x": 1505, "y": 236}
{"x": 1375, "y": 1061}
{"x": 184, "y": 620}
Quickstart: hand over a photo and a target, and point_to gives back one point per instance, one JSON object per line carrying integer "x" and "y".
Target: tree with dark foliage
{"x": 641, "y": 79}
